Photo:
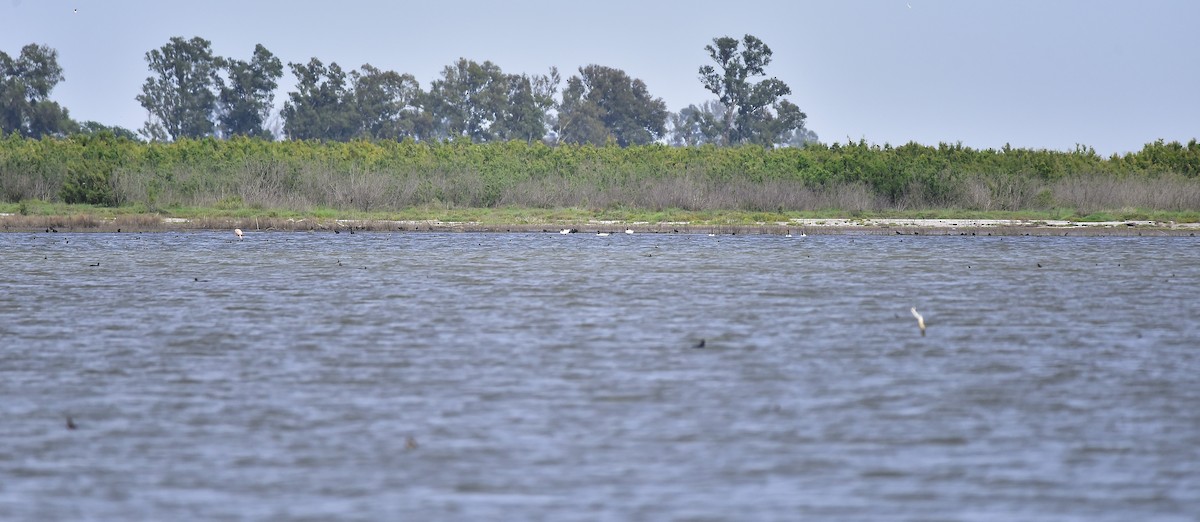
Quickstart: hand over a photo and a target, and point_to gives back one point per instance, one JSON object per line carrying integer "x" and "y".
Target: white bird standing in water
{"x": 238, "y": 231}
{"x": 920, "y": 320}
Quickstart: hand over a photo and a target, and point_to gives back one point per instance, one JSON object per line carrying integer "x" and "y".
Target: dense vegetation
{"x": 194, "y": 93}
{"x": 386, "y": 175}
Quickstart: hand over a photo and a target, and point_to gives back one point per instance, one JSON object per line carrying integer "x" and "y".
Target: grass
{"x": 82, "y": 215}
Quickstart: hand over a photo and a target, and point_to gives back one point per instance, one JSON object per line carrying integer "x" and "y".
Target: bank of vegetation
{"x": 244, "y": 176}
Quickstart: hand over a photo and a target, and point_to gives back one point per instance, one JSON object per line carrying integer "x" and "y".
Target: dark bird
{"x": 70, "y": 423}
{"x": 699, "y": 344}
{"x": 95, "y": 264}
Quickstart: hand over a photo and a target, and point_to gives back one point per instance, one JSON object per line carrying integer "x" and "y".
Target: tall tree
{"x": 322, "y": 106}
{"x": 530, "y": 97}
{"x": 388, "y": 104}
{"x": 754, "y": 112}
{"x": 698, "y": 125}
{"x": 602, "y": 103}
{"x": 25, "y": 85}
{"x": 247, "y": 99}
{"x": 181, "y": 96}
{"x": 468, "y": 99}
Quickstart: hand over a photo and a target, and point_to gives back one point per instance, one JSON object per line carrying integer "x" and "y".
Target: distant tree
{"x": 246, "y": 101}
{"x": 602, "y": 103}
{"x": 388, "y": 104}
{"x": 698, "y": 125}
{"x": 468, "y": 99}
{"x": 322, "y": 106}
{"x": 530, "y": 98}
{"x": 181, "y": 96}
{"x": 754, "y": 112}
{"x": 94, "y": 127}
{"x": 25, "y": 85}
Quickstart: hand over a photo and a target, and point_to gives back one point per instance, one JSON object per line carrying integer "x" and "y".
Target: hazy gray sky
{"x": 1032, "y": 73}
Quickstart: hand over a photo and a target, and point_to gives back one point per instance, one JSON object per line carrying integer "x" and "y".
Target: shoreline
{"x": 796, "y": 226}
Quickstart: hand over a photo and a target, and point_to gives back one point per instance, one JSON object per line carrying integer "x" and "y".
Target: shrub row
{"x": 103, "y": 169}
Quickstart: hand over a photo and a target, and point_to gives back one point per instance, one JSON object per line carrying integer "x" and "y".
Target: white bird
{"x": 920, "y": 320}
{"x": 565, "y": 231}
{"x": 789, "y": 234}
{"x": 629, "y": 231}
{"x": 602, "y": 234}
{"x": 238, "y": 231}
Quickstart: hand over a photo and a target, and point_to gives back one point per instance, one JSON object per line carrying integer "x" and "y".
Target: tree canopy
{"x": 603, "y": 103}
{"x": 194, "y": 93}
{"x": 754, "y": 112}
{"x": 247, "y": 100}
{"x": 25, "y": 85}
{"x": 181, "y": 96}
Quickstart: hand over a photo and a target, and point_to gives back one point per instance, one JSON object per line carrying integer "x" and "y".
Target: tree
{"x": 322, "y": 107}
{"x": 602, "y": 103}
{"x": 529, "y": 100}
{"x": 25, "y": 85}
{"x": 246, "y": 101}
{"x": 469, "y": 99}
{"x": 94, "y": 128}
{"x": 181, "y": 98}
{"x": 754, "y": 112}
{"x": 388, "y": 104}
{"x": 698, "y": 125}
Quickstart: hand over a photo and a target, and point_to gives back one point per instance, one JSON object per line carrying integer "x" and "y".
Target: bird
{"x": 789, "y": 234}
{"x": 238, "y": 231}
{"x": 920, "y": 320}
{"x": 70, "y": 423}
{"x": 629, "y": 231}
{"x": 565, "y": 231}
{"x": 411, "y": 443}
{"x": 699, "y": 344}
{"x": 602, "y": 234}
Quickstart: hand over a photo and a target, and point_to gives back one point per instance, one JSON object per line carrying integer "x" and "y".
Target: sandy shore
{"x": 154, "y": 223}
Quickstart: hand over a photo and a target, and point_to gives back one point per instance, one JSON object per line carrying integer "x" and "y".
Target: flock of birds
{"x": 921, "y": 319}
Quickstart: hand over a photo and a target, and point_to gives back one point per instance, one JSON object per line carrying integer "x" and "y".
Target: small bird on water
{"x": 920, "y": 320}
{"x": 238, "y": 231}
{"x": 70, "y": 423}
{"x": 699, "y": 344}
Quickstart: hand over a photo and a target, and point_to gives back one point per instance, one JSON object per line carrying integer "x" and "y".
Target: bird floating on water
{"x": 629, "y": 231}
{"x": 238, "y": 231}
{"x": 71, "y": 423}
{"x": 699, "y": 344}
{"x": 920, "y": 320}
{"x": 411, "y": 443}
{"x": 602, "y": 234}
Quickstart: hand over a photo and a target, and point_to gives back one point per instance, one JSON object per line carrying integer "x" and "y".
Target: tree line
{"x": 193, "y": 93}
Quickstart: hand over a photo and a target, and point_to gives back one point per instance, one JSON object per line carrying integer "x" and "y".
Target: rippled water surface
{"x": 549, "y": 377}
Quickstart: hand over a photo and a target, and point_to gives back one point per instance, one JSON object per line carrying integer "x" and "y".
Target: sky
{"x": 1043, "y": 74}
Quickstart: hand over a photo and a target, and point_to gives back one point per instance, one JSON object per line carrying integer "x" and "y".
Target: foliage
{"x": 246, "y": 101}
{"x": 320, "y": 108}
{"x": 25, "y": 85}
{"x": 181, "y": 95}
{"x": 754, "y": 112}
{"x": 603, "y": 103}
{"x": 388, "y": 104}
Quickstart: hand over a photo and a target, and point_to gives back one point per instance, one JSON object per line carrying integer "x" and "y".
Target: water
{"x": 550, "y": 377}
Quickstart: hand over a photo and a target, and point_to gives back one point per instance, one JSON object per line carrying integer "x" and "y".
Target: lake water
{"x": 414, "y": 376}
